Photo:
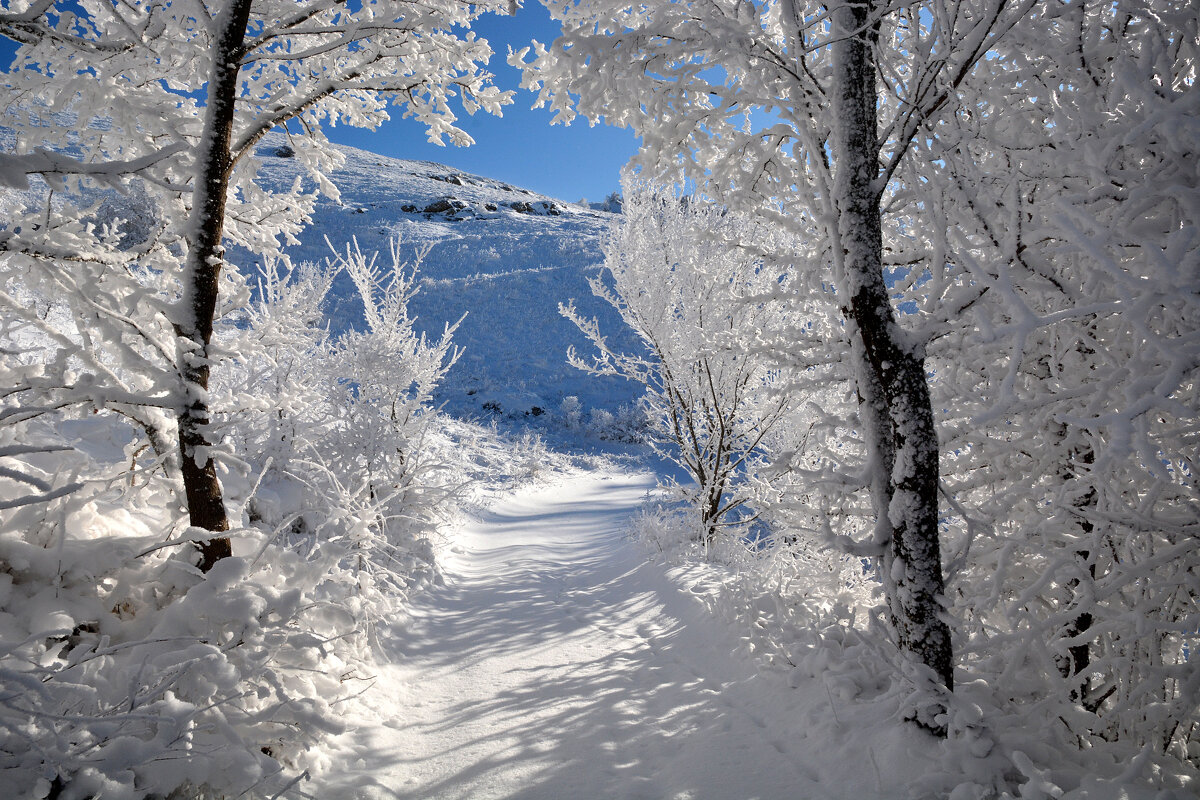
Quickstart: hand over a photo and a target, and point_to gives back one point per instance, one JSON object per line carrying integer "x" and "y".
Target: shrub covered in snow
{"x": 125, "y": 672}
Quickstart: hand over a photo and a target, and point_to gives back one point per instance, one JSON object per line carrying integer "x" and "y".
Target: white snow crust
{"x": 557, "y": 662}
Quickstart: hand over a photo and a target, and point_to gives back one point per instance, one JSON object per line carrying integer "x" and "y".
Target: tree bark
{"x": 1077, "y": 662}
{"x": 893, "y": 384}
{"x": 201, "y": 276}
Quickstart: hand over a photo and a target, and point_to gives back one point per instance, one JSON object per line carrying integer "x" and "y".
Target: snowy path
{"x": 556, "y": 663}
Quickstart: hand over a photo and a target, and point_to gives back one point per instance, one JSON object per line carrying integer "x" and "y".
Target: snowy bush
{"x": 531, "y": 455}
{"x": 340, "y": 435}
{"x": 626, "y": 424}
{"x": 571, "y": 413}
{"x": 794, "y": 603}
{"x": 128, "y": 673}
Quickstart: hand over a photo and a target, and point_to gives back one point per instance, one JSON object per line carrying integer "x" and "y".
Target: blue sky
{"x": 521, "y": 148}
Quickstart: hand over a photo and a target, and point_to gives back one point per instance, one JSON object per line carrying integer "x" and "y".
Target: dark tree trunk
{"x": 201, "y": 276}
{"x": 710, "y": 509}
{"x": 893, "y": 384}
{"x": 1077, "y": 663}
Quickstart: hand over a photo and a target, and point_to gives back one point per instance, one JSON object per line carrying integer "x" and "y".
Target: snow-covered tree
{"x": 171, "y": 99}
{"x": 678, "y": 274}
{"x": 814, "y": 107}
{"x": 1069, "y": 386}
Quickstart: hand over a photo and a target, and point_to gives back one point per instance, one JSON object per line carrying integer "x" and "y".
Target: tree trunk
{"x": 201, "y": 275}
{"x": 892, "y": 379}
{"x": 1077, "y": 662}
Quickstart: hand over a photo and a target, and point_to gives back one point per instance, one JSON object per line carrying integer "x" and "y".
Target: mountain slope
{"x": 503, "y": 253}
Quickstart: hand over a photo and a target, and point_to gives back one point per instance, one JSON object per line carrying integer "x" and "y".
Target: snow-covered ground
{"x": 557, "y": 662}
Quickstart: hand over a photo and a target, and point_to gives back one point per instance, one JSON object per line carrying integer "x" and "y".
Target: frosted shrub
{"x": 571, "y": 413}
{"x": 786, "y": 596}
{"x": 531, "y": 455}
{"x": 346, "y": 423}
{"x": 627, "y": 424}
{"x": 125, "y": 673}
{"x": 275, "y": 399}
{"x": 668, "y": 525}
{"x": 601, "y": 419}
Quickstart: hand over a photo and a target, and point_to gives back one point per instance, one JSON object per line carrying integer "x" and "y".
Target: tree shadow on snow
{"x": 601, "y": 689}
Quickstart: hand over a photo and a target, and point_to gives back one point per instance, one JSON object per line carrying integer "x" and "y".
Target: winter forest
{"x": 850, "y": 451}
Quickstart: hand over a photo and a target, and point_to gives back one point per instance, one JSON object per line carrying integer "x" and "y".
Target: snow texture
{"x": 556, "y": 662}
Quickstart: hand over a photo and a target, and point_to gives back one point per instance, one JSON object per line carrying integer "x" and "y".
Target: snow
{"x": 508, "y": 268}
{"x": 557, "y": 662}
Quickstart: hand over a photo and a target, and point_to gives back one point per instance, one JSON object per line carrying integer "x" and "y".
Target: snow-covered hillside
{"x": 503, "y": 253}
